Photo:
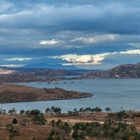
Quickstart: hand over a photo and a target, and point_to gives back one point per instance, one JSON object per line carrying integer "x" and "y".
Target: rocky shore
{"x": 20, "y": 93}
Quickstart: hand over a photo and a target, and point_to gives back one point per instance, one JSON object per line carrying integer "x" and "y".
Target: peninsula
{"x": 20, "y": 93}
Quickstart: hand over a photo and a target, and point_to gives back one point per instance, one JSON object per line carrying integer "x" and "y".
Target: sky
{"x": 88, "y": 34}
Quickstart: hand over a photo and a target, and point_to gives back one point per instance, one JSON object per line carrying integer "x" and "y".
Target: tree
{"x": 53, "y": 123}
{"x": 12, "y": 111}
{"x": 14, "y": 131}
{"x": 0, "y": 110}
{"x": 4, "y": 112}
{"x": 54, "y": 135}
{"x": 15, "y": 121}
{"x": 108, "y": 109}
{"x": 39, "y": 118}
{"x": 59, "y": 123}
{"x": 67, "y": 127}
{"x": 121, "y": 115}
{"x": 57, "y": 110}
{"x": 75, "y": 111}
{"x": 53, "y": 109}
{"x": 111, "y": 116}
{"x": 97, "y": 110}
{"x": 35, "y": 112}
{"x": 22, "y": 112}
{"x": 81, "y": 110}
{"x": 48, "y": 110}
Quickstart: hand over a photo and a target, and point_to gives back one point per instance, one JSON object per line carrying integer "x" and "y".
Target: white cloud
{"x": 137, "y": 51}
{"x": 4, "y": 71}
{"x": 18, "y": 59}
{"x": 12, "y": 65}
{"x": 49, "y": 42}
{"x": 89, "y": 60}
{"x": 97, "y": 39}
{"x": 75, "y": 59}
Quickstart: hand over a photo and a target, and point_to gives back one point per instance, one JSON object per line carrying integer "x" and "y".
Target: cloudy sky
{"x": 91, "y": 34}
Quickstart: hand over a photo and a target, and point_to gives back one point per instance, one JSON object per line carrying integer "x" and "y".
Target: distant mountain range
{"x": 49, "y": 66}
{"x": 36, "y": 72}
{"x": 122, "y": 71}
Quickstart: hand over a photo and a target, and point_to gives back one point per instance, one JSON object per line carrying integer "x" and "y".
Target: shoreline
{"x": 46, "y": 100}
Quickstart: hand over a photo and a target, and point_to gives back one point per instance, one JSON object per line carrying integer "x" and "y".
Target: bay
{"x": 113, "y": 93}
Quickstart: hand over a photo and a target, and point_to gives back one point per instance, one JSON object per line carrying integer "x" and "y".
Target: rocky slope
{"x": 19, "y": 93}
{"x": 122, "y": 71}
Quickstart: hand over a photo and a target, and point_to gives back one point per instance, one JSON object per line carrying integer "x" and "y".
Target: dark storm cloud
{"x": 68, "y": 27}
{"x": 113, "y": 17}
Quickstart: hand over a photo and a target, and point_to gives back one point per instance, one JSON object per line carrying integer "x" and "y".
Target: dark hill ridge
{"x": 122, "y": 71}
{"x": 46, "y": 72}
{"x": 14, "y": 75}
{"x": 20, "y": 93}
{"x": 41, "y": 72}
{"x": 45, "y": 75}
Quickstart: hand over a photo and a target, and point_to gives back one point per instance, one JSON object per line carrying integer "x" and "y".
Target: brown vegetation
{"x": 27, "y": 129}
{"x": 19, "y": 93}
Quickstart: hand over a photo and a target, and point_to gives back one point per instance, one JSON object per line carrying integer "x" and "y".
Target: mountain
{"x": 40, "y": 72}
{"x": 49, "y": 66}
{"x": 122, "y": 71}
{"x": 46, "y": 72}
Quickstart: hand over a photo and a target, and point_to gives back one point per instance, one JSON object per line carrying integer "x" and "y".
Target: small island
{"x": 19, "y": 93}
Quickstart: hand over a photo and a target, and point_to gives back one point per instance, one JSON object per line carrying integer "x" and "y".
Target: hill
{"x": 122, "y": 71}
{"x": 40, "y": 71}
{"x": 38, "y": 74}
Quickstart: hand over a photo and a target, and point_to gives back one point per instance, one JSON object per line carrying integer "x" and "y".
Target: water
{"x": 113, "y": 93}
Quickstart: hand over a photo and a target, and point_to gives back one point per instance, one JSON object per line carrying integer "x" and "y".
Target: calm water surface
{"x": 113, "y": 93}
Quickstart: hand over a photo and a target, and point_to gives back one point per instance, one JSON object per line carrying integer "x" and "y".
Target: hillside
{"x": 45, "y": 72}
{"x": 122, "y": 71}
{"x": 19, "y": 93}
{"x": 39, "y": 72}
{"x": 14, "y": 75}
{"x": 35, "y": 125}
